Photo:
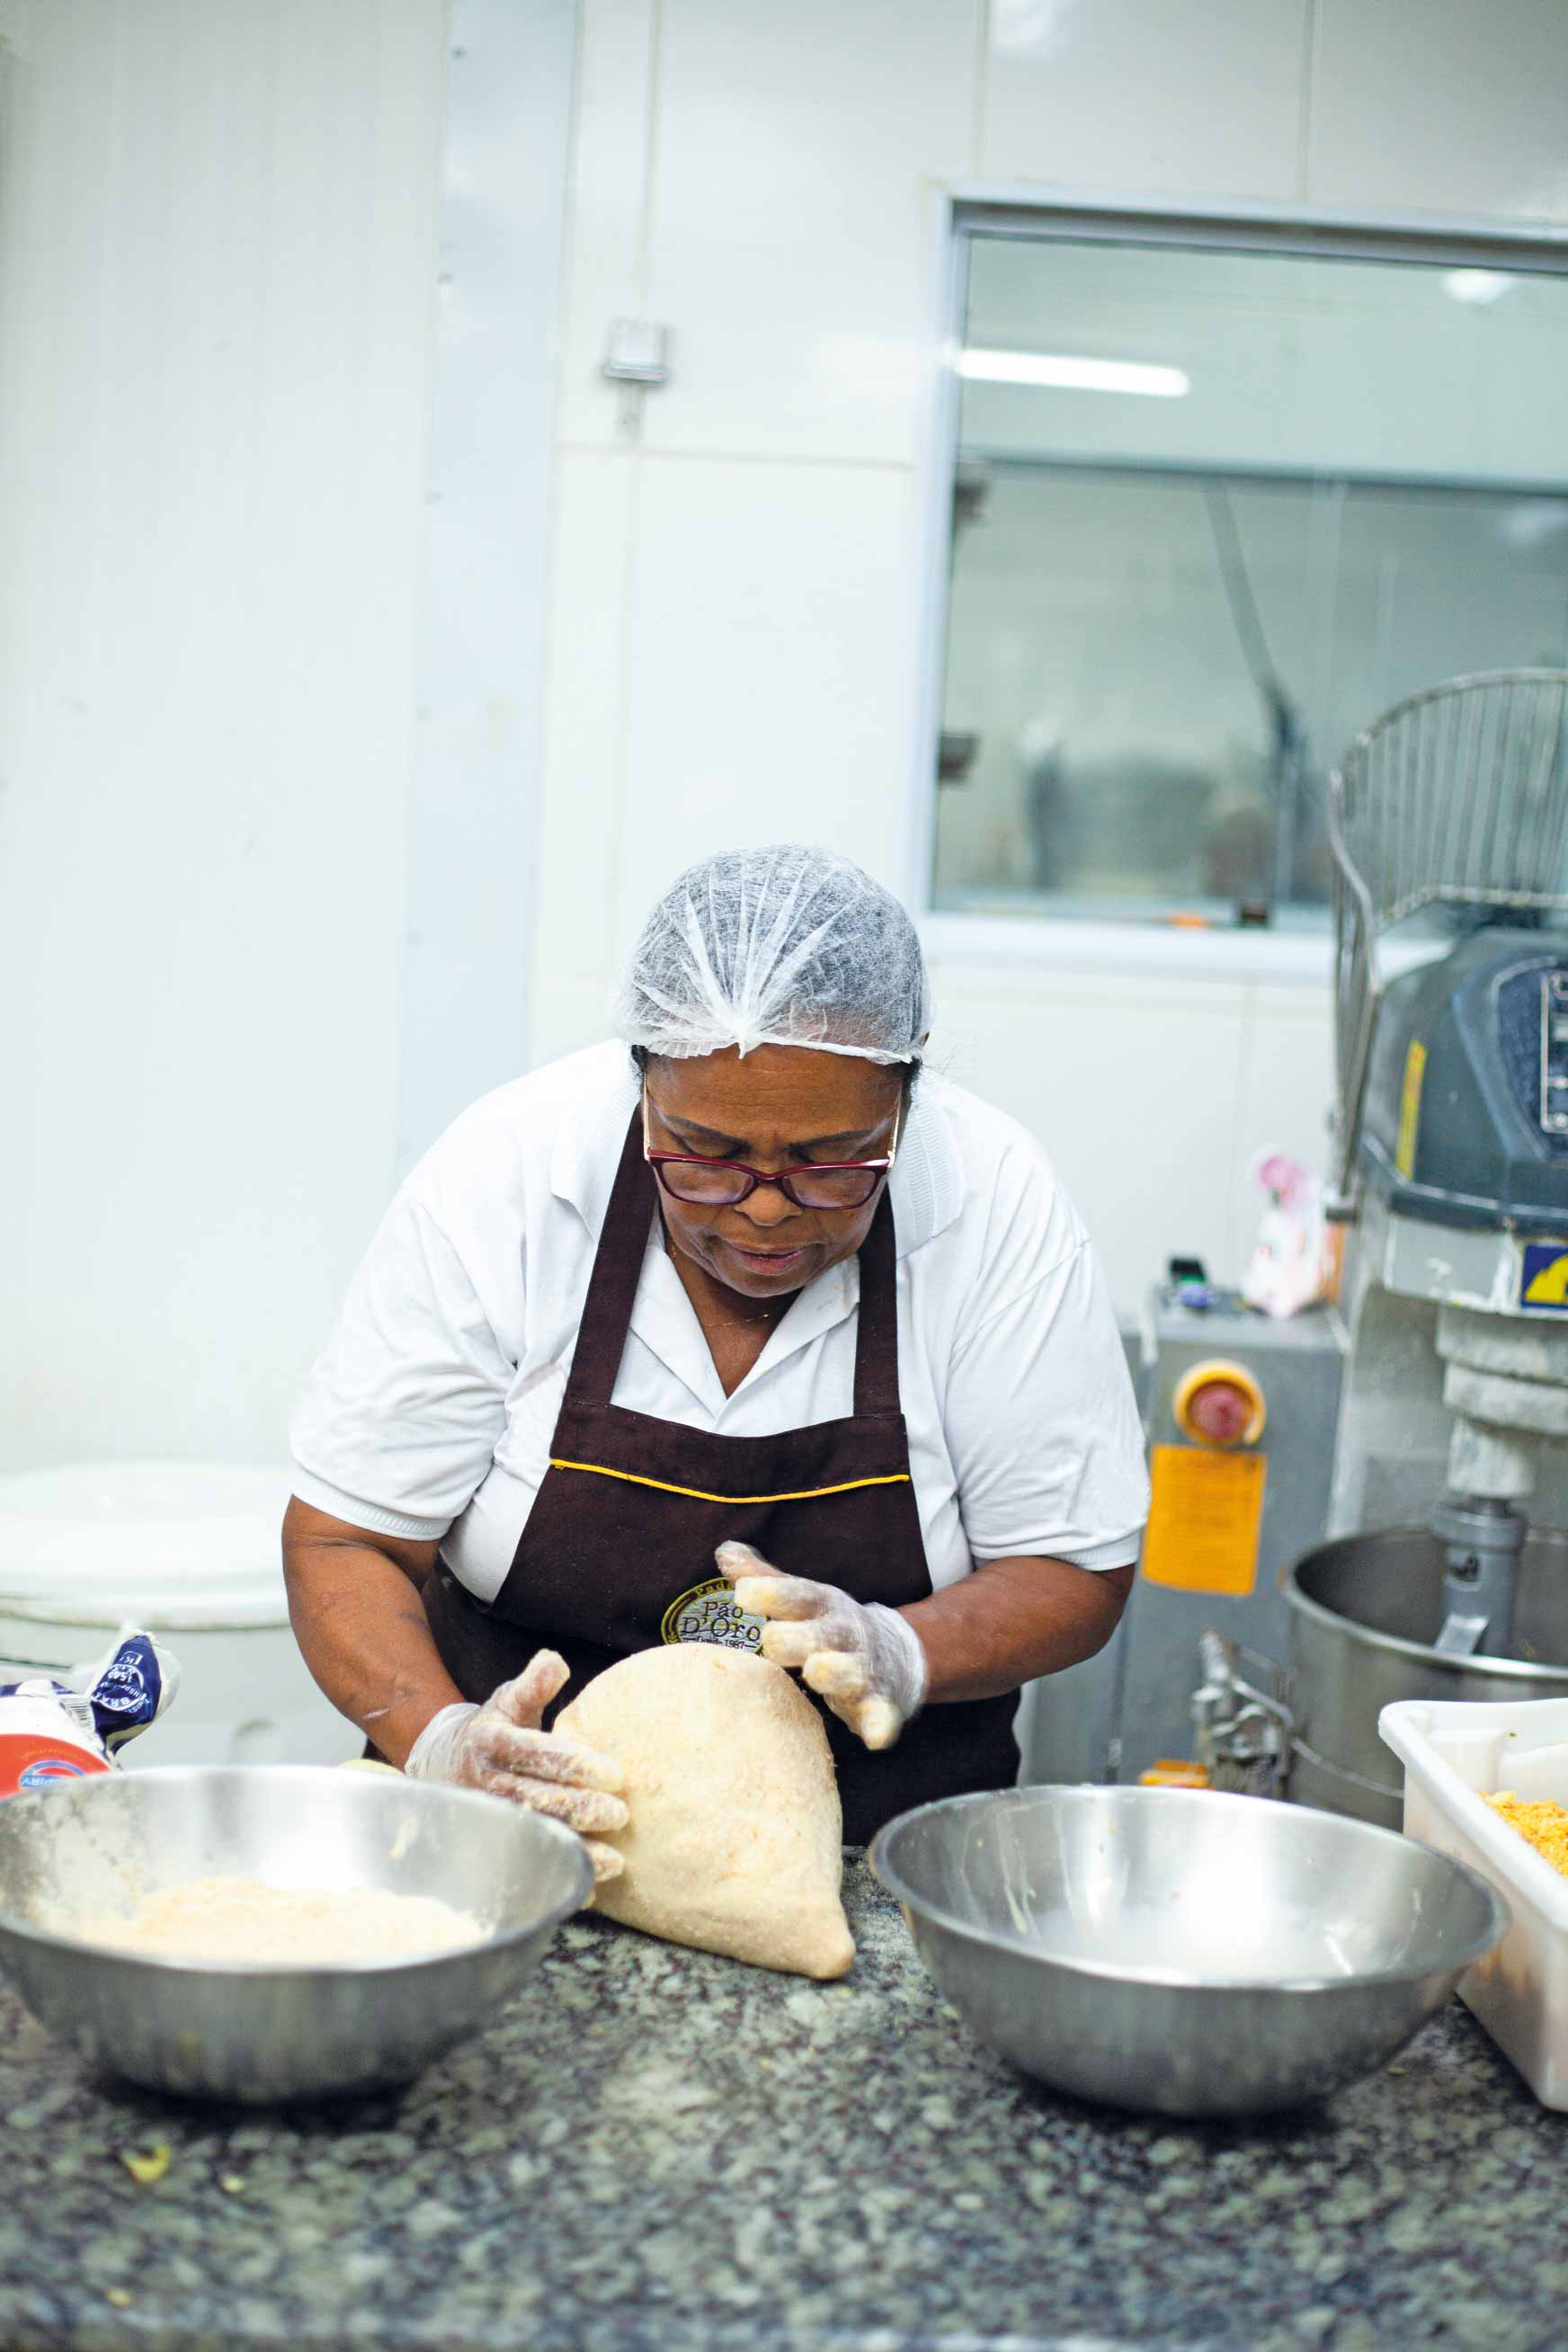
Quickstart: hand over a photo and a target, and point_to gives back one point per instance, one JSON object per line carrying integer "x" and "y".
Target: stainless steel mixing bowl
{"x": 1182, "y": 1951}
{"x": 261, "y": 2035}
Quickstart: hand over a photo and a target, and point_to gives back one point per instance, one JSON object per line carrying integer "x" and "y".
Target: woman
{"x": 746, "y": 1336}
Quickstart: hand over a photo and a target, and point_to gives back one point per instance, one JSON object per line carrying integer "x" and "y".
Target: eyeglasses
{"x": 724, "y": 1184}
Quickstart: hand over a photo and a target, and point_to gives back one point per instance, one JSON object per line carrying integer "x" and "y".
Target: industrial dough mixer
{"x": 1446, "y": 1571}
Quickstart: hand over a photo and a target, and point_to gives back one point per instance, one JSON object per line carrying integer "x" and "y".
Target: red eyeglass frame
{"x": 875, "y": 1169}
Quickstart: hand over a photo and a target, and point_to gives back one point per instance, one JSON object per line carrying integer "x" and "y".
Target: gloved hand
{"x": 866, "y": 1661}
{"x": 501, "y": 1748}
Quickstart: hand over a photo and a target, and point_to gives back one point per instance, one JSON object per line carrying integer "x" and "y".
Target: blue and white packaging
{"x": 130, "y": 1689}
{"x": 51, "y": 1732}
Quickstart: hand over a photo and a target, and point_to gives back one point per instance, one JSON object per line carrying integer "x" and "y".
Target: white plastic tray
{"x": 1451, "y": 1750}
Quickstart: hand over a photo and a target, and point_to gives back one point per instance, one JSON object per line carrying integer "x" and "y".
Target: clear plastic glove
{"x": 866, "y": 1662}
{"x": 501, "y": 1748}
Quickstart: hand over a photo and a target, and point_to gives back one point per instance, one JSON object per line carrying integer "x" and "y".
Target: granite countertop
{"x": 654, "y": 2148}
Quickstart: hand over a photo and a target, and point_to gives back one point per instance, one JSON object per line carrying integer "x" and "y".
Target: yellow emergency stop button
{"x": 1220, "y": 1403}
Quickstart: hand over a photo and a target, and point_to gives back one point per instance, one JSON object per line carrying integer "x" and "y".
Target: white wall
{"x": 216, "y": 272}
{"x": 735, "y": 640}
{"x": 218, "y": 257}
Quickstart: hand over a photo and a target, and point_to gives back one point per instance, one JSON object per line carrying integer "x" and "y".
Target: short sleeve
{"x": 1042, "y": 1427}
{"x": 403, "y": 1411}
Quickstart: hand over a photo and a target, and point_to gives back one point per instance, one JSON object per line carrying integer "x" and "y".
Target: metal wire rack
{"x": 1455, "y": 798}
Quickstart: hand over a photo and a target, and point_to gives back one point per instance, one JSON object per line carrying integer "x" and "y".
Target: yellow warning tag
{"x": 1410, "y": 1108}
{"x": 1203, "y": 1520}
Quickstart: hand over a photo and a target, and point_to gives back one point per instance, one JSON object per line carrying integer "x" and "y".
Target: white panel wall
{"x": 1205, "y": 96}
{"x": 216, "y": 283}
{"x": 736, "y": 588}
{"x": 216, "y": 264}
{"x": 735, "y": 644}
{"x": 1441, "y": 106}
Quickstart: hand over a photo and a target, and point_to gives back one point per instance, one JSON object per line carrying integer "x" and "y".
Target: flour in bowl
{"x": 240, "y": 1920}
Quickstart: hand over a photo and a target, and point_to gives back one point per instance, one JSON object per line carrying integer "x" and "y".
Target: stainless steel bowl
{"x": 1182, "y": 1951}
{"x": 261, "y": 2034}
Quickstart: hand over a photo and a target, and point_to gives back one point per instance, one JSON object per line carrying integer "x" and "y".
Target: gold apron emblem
{"x": 709, "y": 1614}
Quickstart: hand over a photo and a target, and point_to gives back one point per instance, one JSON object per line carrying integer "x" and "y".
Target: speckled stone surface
{"x": 653, "y": 2148}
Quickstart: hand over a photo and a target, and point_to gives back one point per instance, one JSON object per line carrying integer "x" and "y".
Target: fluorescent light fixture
{"x": 1059, "y": 372}
{"x": 1477, "y": 285}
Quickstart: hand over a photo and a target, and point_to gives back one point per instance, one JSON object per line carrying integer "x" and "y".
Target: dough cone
{"x": 736, "y": 1835}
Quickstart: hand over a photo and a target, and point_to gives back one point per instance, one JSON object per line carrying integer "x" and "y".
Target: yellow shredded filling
{"x": 1543, "y": 1823}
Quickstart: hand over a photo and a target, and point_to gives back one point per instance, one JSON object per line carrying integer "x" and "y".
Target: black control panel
{"x": 1465, "y": 1117}
{"x": 1553, "y": 1095}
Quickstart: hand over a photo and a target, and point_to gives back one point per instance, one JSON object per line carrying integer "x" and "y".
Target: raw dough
{"x": 240, "y": 1921}
{"x": 735, "y": 1844}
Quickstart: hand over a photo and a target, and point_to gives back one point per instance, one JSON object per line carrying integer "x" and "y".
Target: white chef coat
{"x": 430, "y": 1412}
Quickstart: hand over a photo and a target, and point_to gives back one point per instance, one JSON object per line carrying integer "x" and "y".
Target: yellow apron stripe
{"x": 697, "y": 1494}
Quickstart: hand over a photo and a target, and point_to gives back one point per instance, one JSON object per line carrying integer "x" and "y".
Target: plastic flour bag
{"x": 51, "y": 1732}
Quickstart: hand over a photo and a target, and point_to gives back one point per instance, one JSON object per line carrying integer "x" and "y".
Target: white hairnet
{"x": 775, "y": 947}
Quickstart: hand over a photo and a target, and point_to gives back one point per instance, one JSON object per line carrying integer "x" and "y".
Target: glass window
{"x": 1214, "y": 510}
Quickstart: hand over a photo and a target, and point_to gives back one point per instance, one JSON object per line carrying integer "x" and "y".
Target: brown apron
{"x": 617, "y": 1551}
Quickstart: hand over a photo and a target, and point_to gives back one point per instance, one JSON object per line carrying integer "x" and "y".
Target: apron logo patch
{"x": 709, "y": 1614}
